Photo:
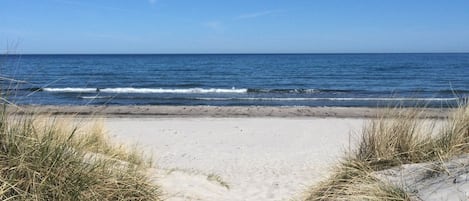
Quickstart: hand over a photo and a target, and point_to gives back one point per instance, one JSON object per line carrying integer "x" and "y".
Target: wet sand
{"x": 214, "y": 111}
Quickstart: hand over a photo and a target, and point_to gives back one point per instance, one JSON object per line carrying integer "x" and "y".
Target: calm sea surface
{"x": 438, "y": 80}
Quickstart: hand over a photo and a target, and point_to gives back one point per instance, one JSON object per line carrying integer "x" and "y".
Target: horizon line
{"x": 234, "y": 53}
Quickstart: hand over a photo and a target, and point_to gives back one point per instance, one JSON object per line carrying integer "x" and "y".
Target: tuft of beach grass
{"x": 396, "y": 136}
{"x": 50, "y": 158}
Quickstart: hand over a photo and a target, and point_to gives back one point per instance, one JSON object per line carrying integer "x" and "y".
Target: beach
{"x": 233, "y": 153}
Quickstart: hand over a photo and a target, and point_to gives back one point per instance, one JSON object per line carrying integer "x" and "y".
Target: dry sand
{"x": 238, "y": 158}
{"x": 432, "y": 181}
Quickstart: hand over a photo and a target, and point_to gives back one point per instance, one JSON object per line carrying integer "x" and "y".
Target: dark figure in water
{"x": 97, "y": 89}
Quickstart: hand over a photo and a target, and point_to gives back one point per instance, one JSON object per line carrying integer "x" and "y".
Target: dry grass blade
{"x": 44, "y": 158}
{"x": 395, "y": 137}
{"x": 353, "y": 181}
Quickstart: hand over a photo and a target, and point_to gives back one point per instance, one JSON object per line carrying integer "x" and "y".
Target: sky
{"x": 233, "y": 26}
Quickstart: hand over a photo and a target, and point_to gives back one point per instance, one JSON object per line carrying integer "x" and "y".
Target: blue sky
{"x": 238, "y": 26}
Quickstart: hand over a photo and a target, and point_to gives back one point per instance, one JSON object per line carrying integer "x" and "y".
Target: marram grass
{"x": 45, "y": 158}
{"x": 353, "y": 180}
{"x": 397, "y": 136}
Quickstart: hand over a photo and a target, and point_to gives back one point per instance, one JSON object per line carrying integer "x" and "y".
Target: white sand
{"x": 238, "y": 158}
{"x": 432, "y": 181}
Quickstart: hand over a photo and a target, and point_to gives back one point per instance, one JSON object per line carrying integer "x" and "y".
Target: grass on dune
{"x": 45, "y": 158}
{"x": 397, "y": 136}
{"x": 353, "y": 180}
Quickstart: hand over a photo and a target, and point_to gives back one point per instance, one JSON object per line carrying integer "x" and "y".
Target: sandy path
{"x": 238, "y": 158}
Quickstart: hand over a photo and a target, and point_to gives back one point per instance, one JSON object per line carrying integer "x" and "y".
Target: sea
{"x": 345, "y": 80}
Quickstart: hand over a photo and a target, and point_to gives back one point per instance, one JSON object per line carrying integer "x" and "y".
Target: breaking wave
{"x": 144, "y": 90}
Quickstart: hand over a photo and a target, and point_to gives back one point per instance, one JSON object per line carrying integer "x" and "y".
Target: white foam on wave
{"x": 160, "y": 90}
{"x": 71, "y": 90}
{"x": 145, "y": 90}
{"x": 95, "y": 97}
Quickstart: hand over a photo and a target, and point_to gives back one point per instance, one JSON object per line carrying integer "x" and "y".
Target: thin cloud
{"x": 214, "y": 25}
{"x": 112, "y": 36}
{"x": 152, "y": 2}
{"x": 82, "y": 4}
{"x": 256, "y": 14}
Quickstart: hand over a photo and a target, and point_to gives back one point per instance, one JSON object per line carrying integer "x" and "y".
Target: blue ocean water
{"x": 437, "y": 80}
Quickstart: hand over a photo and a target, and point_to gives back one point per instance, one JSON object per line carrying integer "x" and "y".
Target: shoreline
{"x": 151, "y": 111}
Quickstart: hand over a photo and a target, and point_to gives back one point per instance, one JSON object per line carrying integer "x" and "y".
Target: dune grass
{"x": 395, "y": 137}
{"x": 47, "y": 158}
